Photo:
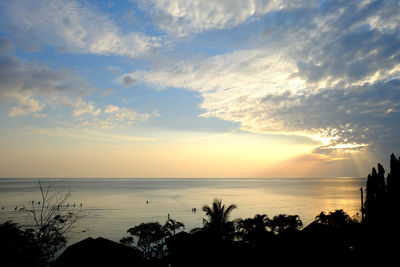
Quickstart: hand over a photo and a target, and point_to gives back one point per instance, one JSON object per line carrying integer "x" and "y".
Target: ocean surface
{"x": 111, "y": 206}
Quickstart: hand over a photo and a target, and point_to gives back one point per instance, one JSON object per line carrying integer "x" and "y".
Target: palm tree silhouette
{"x": 284, "y": 222}
{"x": 171, "y": 226}
{"x": 253, "y": 228}
{"x": 218, "y": 218}
{"x": 338, "y": 218}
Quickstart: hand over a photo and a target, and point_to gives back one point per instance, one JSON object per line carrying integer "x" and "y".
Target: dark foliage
{"x": 382, "y": 200}
{"x": 382, "y": 210}
{"x": 218, "y": 224}
{"x": 18, "y": 247}
{"x": 284, "y": 223}
{"x": 254, "y": 230}
{"x": 338, "y": 218}
{"x": 148, "y": 236}
{"x": 171, "y": 226}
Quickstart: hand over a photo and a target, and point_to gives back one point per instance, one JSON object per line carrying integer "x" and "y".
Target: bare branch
{"x": 53, "y": 218}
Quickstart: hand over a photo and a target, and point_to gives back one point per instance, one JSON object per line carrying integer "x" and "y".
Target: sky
{"x": 200, "y": 88}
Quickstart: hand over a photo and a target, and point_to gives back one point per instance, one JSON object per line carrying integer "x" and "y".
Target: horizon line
{"x": 338, "y": 177}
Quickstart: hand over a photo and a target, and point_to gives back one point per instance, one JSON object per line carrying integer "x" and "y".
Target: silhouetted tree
{"x": 393, "y": 179}
{"x": 338, "y": 218}
{"x": 244, "y": 228}
{"x": 371, "y": 198}
{"x": 385, "y": 208}
{"x": 149, "y": 236}
{"x": 376, "y": 204}
{"x": 52, "y": 219}
{"x": 381, "y": 206}
{"x": 171, "y": 226}
{"x": 218, "y": 219}
{"x": 253, "y": 229}
{"x": 372, "y": 185}
{"x": 281, "y": 223}
{"x": 381, "y": 189}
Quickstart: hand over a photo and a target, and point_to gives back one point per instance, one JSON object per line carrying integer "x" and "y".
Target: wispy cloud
{"x": 180, "y": 17}
{"x": 86, "y": 108}
{"x": 123, "y": 114}
{"x": 74, "y": 26}
{"x": 89, "y": 117}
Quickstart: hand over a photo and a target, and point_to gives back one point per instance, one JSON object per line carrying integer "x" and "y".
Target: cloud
{"x": 353, "y": 44}
{"x": 27, "y": 105}
{"x": 156, "y": 113}
{"x": 129, "y": 115}
{"x": 112, "y": 117}
{"x": 86, "y": 108}
{"x": 240, "y": 71}
{"x": 330, "y": 72}
{"x": 349, "y": 119}
{"x": 74, "y": 26}
{"x": 18, "y": 76}
{"x": 128, "y": 81}
{"x": 111, "y": 109}
{"x": 181, "y": 17}
{"x": 32, "y": 86}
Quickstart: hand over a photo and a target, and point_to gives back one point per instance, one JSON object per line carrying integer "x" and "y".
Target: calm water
{"x": 111, "y": 206}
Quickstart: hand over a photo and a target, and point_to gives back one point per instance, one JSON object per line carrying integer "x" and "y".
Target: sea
{"x": 111, "y": 206}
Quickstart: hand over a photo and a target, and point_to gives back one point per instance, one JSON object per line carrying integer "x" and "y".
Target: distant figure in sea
{"x": 81, "y": 204}
{"x": 147, "y": 202}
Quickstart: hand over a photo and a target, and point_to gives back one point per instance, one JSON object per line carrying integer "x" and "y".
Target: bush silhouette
{"x": 18, "y": 247}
